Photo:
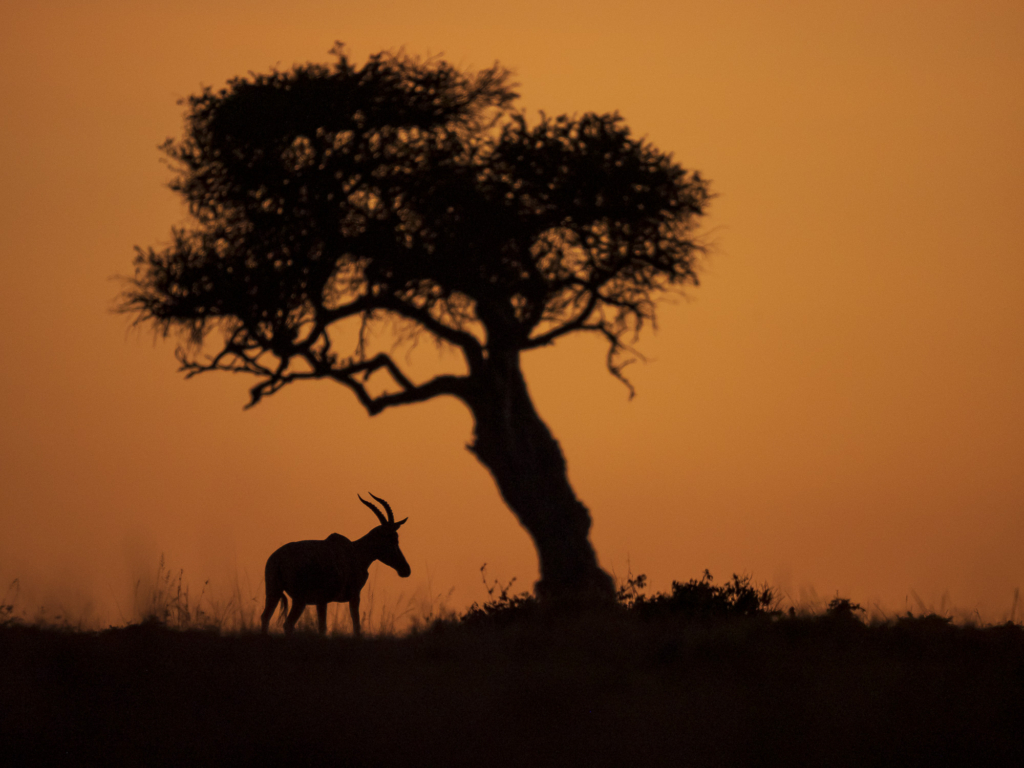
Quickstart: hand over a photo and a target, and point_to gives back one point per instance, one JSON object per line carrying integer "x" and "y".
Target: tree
{"x": 410, "y": 192}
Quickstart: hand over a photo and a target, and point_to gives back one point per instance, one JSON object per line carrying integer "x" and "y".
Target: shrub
{"x": 502, "y": 609}
{"x": 697, "y": 598}
{"x": 842, "y": 609}
{"x": 700, "y": 598}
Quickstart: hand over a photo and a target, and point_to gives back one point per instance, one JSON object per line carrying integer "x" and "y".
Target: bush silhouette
{"x": 701, "y": 598}
{"x": 695, "y": 599}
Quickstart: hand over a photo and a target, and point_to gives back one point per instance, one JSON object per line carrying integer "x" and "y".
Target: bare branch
{"x": 469, "y": 343}
{"x": 354, "y": 377}
{"x": 575, "y": 324}
{"x": 362, "y": 304}
{"x": 616, "y": 349}
{"x": 240, "y": 357}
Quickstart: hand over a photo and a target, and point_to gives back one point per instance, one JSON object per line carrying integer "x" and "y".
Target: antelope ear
{"x": 399, "y": 524}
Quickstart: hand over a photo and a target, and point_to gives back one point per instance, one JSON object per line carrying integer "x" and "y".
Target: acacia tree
{"x": 410, "y": 192}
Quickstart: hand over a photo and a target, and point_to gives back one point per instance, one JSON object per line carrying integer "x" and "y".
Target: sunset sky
{"x": 836, "y": 408}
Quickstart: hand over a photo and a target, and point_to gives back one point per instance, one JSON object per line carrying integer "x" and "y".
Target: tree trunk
{"x": 527, "y": 464}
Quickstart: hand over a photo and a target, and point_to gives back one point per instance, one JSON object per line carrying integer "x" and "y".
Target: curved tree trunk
{"x": 527, "y": 463}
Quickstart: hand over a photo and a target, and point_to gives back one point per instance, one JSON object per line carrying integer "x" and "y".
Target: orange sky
{"x": 837, "y": 408}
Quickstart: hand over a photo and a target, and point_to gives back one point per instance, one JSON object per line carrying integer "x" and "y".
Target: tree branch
{"x": 467, "y": 341}
{"x": 440, "y": 385}
{"x": 577, "y": 323}
{"x": 615, "y": 348}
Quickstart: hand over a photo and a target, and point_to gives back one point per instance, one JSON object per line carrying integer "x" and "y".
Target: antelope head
{"x": 385, "y": 538}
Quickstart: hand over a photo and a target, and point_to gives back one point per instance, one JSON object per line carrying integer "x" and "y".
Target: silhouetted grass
{"x": 7, "y": 616}
{"x": 704, "y": 674}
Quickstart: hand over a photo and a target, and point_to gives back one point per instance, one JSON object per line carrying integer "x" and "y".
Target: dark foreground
{"x": 591, "y": 690}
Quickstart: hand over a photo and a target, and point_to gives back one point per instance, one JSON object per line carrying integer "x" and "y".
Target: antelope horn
{"x": 391, "y": 515}
{"x": 376, "y": 511}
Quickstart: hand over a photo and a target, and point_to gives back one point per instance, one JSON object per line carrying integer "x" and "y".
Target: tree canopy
{"x": 407, "y": 189}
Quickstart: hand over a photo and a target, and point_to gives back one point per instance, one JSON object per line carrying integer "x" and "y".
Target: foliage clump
{"x": 695, "y": 599}
{"x": 502, "y": 609}
{"x": 841, "y": 609}
{"x": 703, "y": 599}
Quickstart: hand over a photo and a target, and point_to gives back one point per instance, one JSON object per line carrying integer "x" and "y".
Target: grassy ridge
{"x": 520, "y": 684}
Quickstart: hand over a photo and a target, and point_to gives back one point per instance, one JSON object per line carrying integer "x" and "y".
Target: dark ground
{"x": 589, "y": 690}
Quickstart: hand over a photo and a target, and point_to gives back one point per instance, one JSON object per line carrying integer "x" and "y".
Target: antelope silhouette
{"x": 330, "y": 571}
